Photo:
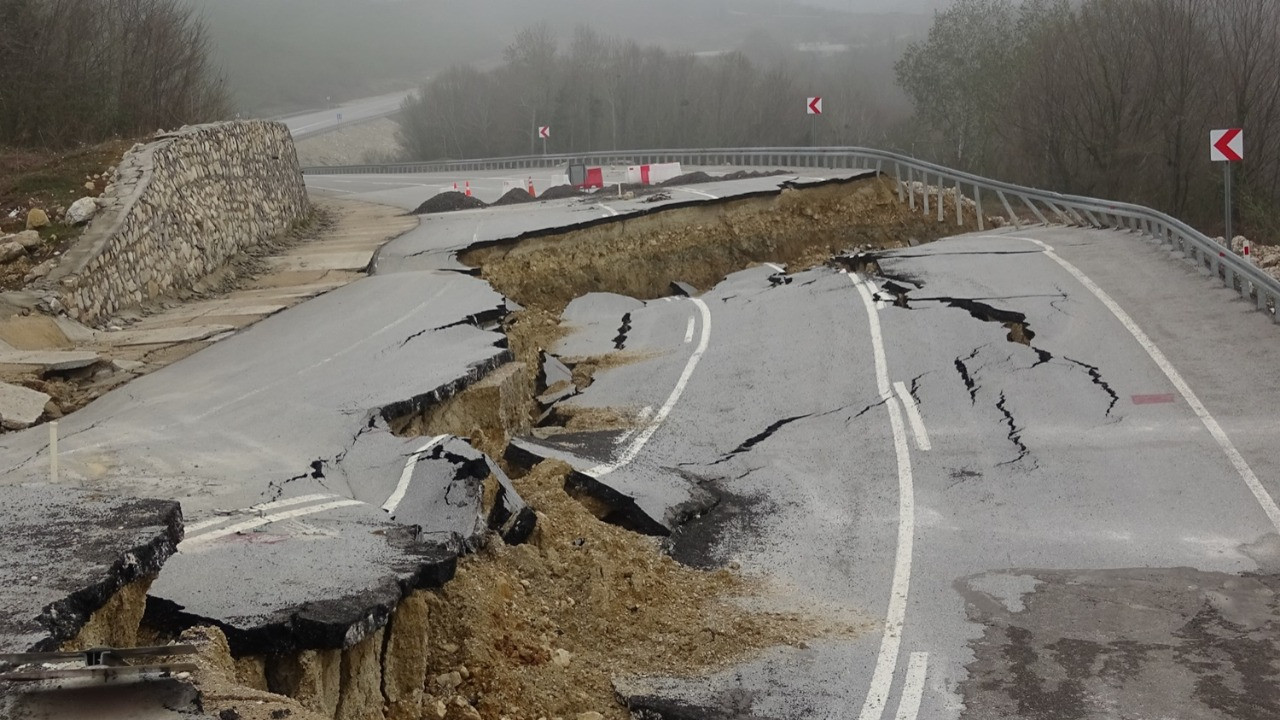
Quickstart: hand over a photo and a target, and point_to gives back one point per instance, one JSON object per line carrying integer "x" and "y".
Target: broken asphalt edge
{"x": 669, "y": 207}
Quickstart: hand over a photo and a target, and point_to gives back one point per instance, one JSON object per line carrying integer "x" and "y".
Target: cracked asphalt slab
{"x": 274, "y": 441}
{"x": 1042, "y": 452}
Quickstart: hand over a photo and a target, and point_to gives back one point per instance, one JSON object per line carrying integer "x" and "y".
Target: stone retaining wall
{"x": 177, "y": 210}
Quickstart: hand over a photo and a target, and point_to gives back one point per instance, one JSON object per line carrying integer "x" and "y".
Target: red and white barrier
{"x": 595, "y": 178}
{"x": 651, "y": 174}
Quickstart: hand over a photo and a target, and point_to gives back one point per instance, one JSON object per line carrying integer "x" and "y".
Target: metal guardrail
{"x": 922, "y": 185}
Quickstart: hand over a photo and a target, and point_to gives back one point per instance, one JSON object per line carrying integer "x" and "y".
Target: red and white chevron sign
{"x": 544, "y": 131}
{"x": 814, "y": 105}
{"x": 1226, "y": 145}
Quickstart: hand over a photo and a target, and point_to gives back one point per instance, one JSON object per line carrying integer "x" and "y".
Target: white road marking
{"x": 699, "y": 193}
{"x": 873, "y": 288}
{"x": 776, "y": 266}
{"x": 258, "y": 522}
{"x": 895, "y": 617}
{"x": 913, "y": 686}
{"x": 913, "y": 415}
{"x": 406, "y": 475}
{"x": 606, "y": 208}
{"x": 195, "y": 527}
{"x": 641, "y": 417}
{"x": 688, "y": 331}
{"x": 1237, "y": 460}
{"x": 643, "y": 437}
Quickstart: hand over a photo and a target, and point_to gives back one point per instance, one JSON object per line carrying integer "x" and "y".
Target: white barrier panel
{"x": 651, "y": 174}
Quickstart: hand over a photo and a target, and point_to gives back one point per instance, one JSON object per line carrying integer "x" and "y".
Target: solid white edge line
{"x": 406, "y": 475}
{"x": 634, "y": 448}
{"x": 1237, "y": 460}
{"x": 895, "y": 615}
{"x": 195, "y": 527}
{"x": 688, "y": 331}
{"x": 913, "y": 686}
{"x": 257, "y": 522}
{"x": 913, "y": 416}
{"x": 606, "y": 208}
{"x": 776, "y": 266}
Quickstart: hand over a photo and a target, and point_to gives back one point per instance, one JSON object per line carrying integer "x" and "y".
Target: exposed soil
{"x": 540, "y": 630}
{"x": 449, "y": 201}
{"x": 697, "y": 177}
{"x": 560, "y": 192}
{"x": 700, "y": 244}
{"x": 514, "y": 196}
{"x": 50, "y": 181}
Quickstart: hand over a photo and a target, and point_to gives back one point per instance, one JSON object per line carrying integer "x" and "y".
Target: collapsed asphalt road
{"x": 977, "y": 451}
{"x": 936, "y": 450}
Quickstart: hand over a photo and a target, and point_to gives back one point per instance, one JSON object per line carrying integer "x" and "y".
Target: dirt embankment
{"x": 700, "y": 244}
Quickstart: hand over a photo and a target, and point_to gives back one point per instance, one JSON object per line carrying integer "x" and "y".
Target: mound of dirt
{"x": 448, "y": 202}
{"x": 697, "y": 177}
{"x": 514, "y": 196}
{"x": 692, "y": 178}
{"x": 560, "y": 192}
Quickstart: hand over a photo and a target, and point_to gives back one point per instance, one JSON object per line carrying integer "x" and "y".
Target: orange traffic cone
{"x": 455, "y": 187}
{"x": 531, "y": 191}
{"x": 468, "y": 188}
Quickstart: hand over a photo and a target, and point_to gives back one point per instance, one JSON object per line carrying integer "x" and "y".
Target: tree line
{"x": 76, "y": 71}
{"x": 1109, "y": 98}
{"x": 599, "y": 93}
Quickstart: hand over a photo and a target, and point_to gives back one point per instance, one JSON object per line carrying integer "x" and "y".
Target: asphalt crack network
{"x": 275, "y": 488}
{"x": 620, "y": 340}
{"x": 1095, "y": 374}
{"x": 970, "y": 383}
{"x": 1015, "y": 432}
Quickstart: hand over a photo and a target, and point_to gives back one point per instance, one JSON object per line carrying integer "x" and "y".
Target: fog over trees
{"x": 84, "y": 70}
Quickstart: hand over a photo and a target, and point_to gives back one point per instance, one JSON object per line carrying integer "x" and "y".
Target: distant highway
{"x": 320, "y": 121}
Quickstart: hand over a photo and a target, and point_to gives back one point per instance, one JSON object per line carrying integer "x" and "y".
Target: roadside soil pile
{"x": 641, "y": 256}
{"x": 514, "y": 196}
{"x": 697, "y": 177}
{"x": 449, "y": 201}
{"x": 540, "y": 630}
{"x": 560, "y": 192}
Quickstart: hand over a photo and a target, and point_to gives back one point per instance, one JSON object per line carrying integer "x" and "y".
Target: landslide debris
{"x": 700, "y": 244}
{"x": 560, "y": 192}
{"x": 541, "y": 629}
{"x": 449, "y": 201}
{"x": 697, "y": 177}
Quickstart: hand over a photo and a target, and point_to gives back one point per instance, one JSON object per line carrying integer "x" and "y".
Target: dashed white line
{"x": 913, "y": 686}
{"x": 1237, "y": 460}
{"x": 643, "y": 437}
{"x": 688, "y": 331}
{"x": 913, "y": 416}
{"x": 406, "y": 475}
{"x": 895, "y": 616}
{"x": 195, "y": 527}
{"x": 258, "y": 522}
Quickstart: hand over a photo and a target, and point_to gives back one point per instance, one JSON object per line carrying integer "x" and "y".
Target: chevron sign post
{"x": 813, "y": 106}
{"x": 1227, "y": 147}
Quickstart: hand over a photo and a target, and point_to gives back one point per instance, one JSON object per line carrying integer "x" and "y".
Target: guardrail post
{"x": 924, "y": 187}
{"x": 959, "y": 204}
{"x": 1027, "y": 201}
{"x": 977, "y": 206}
{"x": 911, "y": 186}
{"x": 897, "y": 177}
{"x": 1012, "y": 218}
{"x": 941, "y": 206}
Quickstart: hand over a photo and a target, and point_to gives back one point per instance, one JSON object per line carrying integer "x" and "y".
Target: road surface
{"x": 1031, "y": 470}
